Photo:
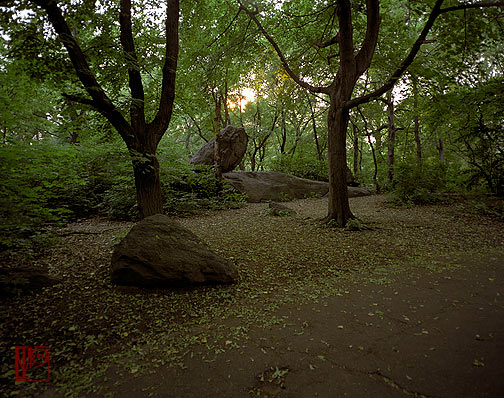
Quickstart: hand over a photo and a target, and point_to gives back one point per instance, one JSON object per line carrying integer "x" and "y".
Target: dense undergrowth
{"x": 305, "y": 167}
{"x": 45, "y": 184}
{"x": 436, "y": 182}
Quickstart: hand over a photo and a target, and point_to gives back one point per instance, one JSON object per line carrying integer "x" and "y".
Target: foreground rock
{"x": 24, "y": 280}
{"x": 260, "y": 186}
{"x": 160, "y": 252}
{"x": 233, "y": 144}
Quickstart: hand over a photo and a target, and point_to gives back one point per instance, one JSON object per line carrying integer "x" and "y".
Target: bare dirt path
{"x": 422, "y": 334}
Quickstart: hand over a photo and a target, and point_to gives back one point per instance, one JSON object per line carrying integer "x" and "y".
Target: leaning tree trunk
{"x": 338, "y": 207}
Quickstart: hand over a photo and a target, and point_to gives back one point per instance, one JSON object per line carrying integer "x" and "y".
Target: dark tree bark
{"x": 259, "y": 143}
{"x": 356, "y": 150}
{"x": 441, "y": 151}
{"x": 217, "y": 128}
{"x": 300, "y": 127}
{"x": 283, "y": 138}
{"x": 416, "y": 126}
{"x": 141, "y": 138}
{"x": 352, "y": 66}
{"x": 314, "y": 126}
{"x": 74, "y": 137}
{"x": 227, "y": 119}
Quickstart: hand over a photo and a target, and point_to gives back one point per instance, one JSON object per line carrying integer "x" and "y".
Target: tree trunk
{"x": 218, "y": 156}
{"x": 441, "y": 151}
{"x": 76, "y": 128}
{"x": 140, "y": 137}
{"x": 355, "y": 150}
{"x": 314, "y": 126}
{"x": 284, "y": 131}
{"x": 227, "y": 120}
{"x": 375, "y": 163}
{"x": 338, "y": 206}
{"x": 252, "y": 159}
{"x": 147, "y": 183}
{"x": 373, "y": 150}
{"x": 217, "y": 122}
{"x": 391, "y": 137}
{"x": 217, "y": 128}
{"x": 416, "y": 121}
{"x": 262, "y": 154}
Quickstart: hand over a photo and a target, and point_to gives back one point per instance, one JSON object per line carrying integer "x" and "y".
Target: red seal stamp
{"x": 33, "y": 363}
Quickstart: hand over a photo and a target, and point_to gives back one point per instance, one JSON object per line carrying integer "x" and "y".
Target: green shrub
{"x": 119, "y": 200}
{"x": 26, "y": 192}
{"x": 198, "y": 189}
{"x": 354, "y": 225}
{"x": 48, "y": 183}
{"x": 414, "y": 185}
{"x": 304, "y": 167}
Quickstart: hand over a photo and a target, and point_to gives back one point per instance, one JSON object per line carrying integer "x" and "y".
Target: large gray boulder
{"x": 233, "y": 144}
{"x": 261, "y": 186}
{"x": 160, "y": 252}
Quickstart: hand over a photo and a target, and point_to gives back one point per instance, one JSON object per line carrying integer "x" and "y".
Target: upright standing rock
{"x": 233, "y": 145}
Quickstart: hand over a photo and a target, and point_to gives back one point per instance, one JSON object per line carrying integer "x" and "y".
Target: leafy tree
{"x": 472, "y": 121}
{"x": 140, "y": 135}
{"x": 28, "y": 108}
{"x": 352, "y": 65}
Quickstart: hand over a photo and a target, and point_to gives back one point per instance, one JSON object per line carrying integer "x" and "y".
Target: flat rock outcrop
{"x": 159, "y": 252}
{"x": 261, "y": 186}
{"x": 233, "y": 144}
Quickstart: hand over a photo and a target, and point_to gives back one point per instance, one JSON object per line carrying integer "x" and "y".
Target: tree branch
{"x": 79, "y": 98}
{"x": 404, "y": 65}
{"x": 475, "y": 5}
{"x": 347, "y": 56}
{"x": 227, "y": 28}
{"x": 290, "y": 72}
{"x": 436, "y": 11}
{"x": 101, "y": 102}
{"x": 365, "y": 55}
{"x": 327, "y": 43}
{"x": 137, "y": 107}
{"x": 163, "y": 115}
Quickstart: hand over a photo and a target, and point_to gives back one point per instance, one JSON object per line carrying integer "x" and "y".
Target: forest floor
{"x": 410, "y": 306}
